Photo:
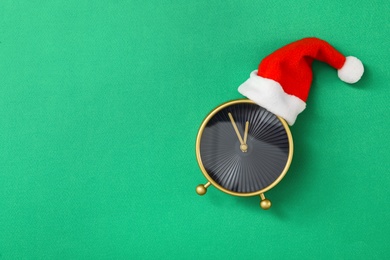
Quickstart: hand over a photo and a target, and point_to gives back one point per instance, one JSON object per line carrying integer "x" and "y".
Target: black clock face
{"x": 244, "y": 159}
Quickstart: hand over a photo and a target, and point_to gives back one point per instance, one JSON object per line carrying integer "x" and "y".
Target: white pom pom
{"x": 352, "y": 70}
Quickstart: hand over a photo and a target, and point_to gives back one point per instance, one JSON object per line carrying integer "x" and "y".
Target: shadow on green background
{"x": 100, "y": 104}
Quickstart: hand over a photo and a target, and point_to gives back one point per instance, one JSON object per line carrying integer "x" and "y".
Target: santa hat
{"x": 282, "y": 82}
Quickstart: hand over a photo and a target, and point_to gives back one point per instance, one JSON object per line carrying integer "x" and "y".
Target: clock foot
{"x": 265, "y": 203}
{"x": 202, "y": 189}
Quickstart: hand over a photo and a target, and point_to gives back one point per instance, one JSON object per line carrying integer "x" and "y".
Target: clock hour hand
{"x": 246, "y": 131}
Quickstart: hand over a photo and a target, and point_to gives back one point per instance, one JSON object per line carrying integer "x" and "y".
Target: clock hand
{"x": 246, "y": 131}
{"x": 235, "y": 128}
{"x": 243, "y": 145}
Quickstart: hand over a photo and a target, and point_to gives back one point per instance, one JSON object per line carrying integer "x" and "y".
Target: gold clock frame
{"x": 202, "y": 188}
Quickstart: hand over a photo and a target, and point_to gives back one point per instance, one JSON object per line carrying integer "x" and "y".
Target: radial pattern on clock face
{"x": 222, "y": 153}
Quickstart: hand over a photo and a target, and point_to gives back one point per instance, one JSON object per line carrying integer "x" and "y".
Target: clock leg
{"x": 265, "y": 203}
{"x": 202, "y": 189}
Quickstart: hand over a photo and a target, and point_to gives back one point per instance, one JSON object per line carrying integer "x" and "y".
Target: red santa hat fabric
{"x": 283, "y": 79}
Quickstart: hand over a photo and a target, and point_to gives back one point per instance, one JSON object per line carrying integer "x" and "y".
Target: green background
{"x": 100, "y": 104}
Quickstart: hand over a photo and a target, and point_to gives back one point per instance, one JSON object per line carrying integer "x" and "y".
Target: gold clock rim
{"x": 199, "y": 159}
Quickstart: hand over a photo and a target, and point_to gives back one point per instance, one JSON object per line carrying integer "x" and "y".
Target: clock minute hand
{"x": 243, "y": 146}
{"x": 235, "y": 128}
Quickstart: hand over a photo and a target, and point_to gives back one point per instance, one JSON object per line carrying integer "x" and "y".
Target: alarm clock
{"x": 243, "y": 150}
{"x": 244, "y": 147}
